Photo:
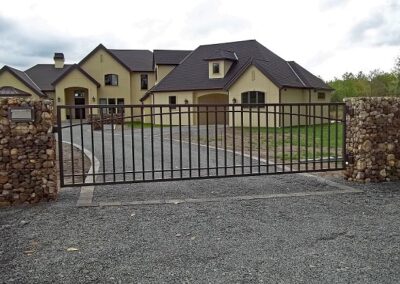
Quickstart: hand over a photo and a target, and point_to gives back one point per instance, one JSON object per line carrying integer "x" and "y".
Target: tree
{"x": 396, "y": 71}
{"x": 376, "y": 83}
{"x": 396, "y": 68}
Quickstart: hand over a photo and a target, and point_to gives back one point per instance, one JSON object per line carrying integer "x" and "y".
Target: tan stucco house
{"x": 235, "y": 72}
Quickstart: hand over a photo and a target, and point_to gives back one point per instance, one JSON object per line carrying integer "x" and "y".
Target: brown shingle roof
{"x": 133, "y": 60}
{"x": 308, "y": 78}
{"x": 169, "y": 57}
{"x": 136, "y": 60}
{"x": 222, "y": 55}
{"x": 25, "y": 79}
{"x": 192, "y": 73}
{"x": 45, "y": 74}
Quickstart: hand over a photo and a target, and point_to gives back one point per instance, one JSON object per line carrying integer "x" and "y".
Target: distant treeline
{"x": 376, "y": 83}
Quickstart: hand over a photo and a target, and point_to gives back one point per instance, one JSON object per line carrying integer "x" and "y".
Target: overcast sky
{"x": 328, "y": 37}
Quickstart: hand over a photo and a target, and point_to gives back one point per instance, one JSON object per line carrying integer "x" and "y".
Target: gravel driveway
{"x": 316, "y": 238}
{"x": 352, "y": 238}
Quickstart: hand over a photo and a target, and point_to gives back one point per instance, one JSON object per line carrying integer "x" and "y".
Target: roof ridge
{"x": 80, "y": 69}
{"x": 295, "y": 73}
{"x": 186, "y": 57}
{"x": 259, "y": 46}
{"x": 193, "y": 72}
{"x": 129, "y": 49}
{"x": 309, "y": 77}
{"x": 101, "y": 46}
{"x": 33, "y": 82}
{"x": 260, "y": 52}
{"x": 39, "y": 64}
{"x": 50, "y": 64}
{"x": 172, "y": 50}
{"x": 228, "y": 42}
{"x": 16, "y": 72}
{"x": 239, "y": 72}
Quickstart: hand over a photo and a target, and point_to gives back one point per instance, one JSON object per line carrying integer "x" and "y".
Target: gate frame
{"x": 231, "y": 109}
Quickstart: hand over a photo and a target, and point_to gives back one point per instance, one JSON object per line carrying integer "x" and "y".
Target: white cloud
{"x": 327, "y": 37}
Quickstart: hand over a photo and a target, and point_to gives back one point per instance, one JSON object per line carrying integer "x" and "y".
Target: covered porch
{"x": 212, "y": 115}
{"x": 76, "y": 88}
{"x": 77, "y": 96}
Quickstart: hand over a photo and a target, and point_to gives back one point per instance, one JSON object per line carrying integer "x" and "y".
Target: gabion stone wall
{"x": 372, "y": 141}
{"x": 27, "y": 154}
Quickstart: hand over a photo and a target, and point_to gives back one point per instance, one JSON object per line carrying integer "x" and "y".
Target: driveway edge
{"x": 86, "y": 192}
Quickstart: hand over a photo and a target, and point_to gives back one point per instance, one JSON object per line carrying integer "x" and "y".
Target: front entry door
{"x": 79, "y": 112}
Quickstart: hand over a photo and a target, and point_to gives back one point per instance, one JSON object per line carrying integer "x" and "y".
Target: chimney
{"x": 58, "y": 60}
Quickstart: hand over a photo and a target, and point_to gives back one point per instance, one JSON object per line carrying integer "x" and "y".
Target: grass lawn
{"x": 321, "y": 132}
{"x": 298, "y": 142}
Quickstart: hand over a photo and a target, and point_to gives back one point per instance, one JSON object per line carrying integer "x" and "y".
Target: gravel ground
{"x": 344, "y": 238}
{"x": 236, "y": 186}
{"x": 347, "y": 238}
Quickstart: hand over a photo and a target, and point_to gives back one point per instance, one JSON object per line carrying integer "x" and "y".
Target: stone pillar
{"x": 372, "y": 139}
{"x": 27, "y": 154}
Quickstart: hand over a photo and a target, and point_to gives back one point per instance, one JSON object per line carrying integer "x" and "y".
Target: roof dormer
{"x": 219, "y": 63}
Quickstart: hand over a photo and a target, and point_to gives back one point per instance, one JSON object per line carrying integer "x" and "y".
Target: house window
{"x": 103, "y": 101}
{"x": 253, "y": 97}
{"x": 215, "y": 68}
{"x": 172, "y": 101}
{"x": 111, "y": 80}
{"x": 111, "y": 102}
{"x": 120, "y": 102}
{"x": 321, "y": 96}
{"x": 144, "y": 83}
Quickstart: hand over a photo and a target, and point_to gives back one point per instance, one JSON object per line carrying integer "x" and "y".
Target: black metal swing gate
{"x": 147, "y": 143}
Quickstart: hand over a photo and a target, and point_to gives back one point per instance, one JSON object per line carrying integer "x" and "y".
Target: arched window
{"x": 253, "y": 97}
{"x": 111, "y": 80}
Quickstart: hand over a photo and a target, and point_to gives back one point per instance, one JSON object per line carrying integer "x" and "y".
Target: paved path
{"x": 159, "y": 154}
{"x": 117, "y": 152}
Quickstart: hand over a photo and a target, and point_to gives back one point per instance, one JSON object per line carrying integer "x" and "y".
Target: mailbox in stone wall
{"x": 21, "y": 114}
